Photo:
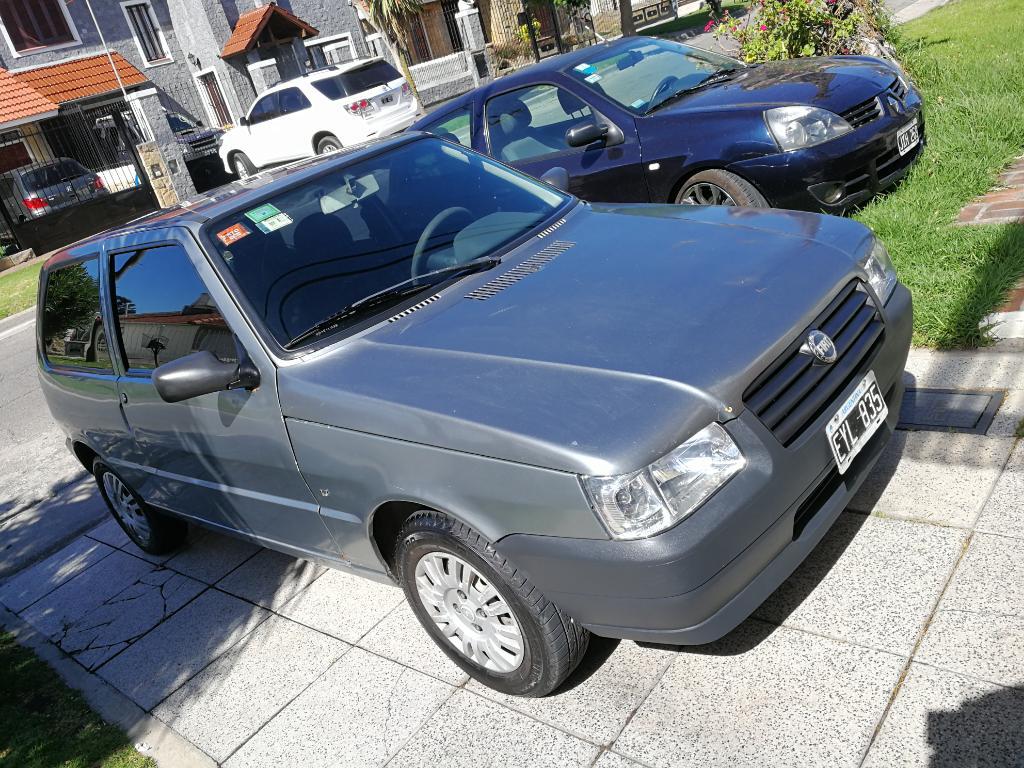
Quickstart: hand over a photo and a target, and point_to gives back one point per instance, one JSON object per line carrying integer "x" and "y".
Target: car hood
{"x": 837, "y": 84}
{"x": 643, "y": 325}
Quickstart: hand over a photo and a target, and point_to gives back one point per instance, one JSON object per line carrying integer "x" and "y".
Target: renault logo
{"x": 896, "y": 106}
{"x": 820, "y": 346}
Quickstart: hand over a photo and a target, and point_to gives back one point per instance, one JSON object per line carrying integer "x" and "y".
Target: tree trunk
{"x": 390, "y": 36}
{"x": 626, "y": 17}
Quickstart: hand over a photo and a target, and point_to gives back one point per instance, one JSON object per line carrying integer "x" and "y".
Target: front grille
{"x": 796, "y": 389}
{"x": 898, "y": 89}
{"x": 863, "y": 113}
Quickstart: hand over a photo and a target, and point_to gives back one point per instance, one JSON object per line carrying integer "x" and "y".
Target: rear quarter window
{"x": 364, "y": 78}
{"x": 72, "y": 324}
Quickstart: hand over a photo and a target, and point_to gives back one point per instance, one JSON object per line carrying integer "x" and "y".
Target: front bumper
{"x": 699, "y": 580}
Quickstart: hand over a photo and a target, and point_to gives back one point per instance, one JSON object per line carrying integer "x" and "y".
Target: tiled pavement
{"x": 899, "y": 642}
{"x": 1003, "y": 205}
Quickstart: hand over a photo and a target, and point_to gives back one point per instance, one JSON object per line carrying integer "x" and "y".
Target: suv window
{"x": 292, "y": 100}
{"x": 370, "y": 75}
{"x": 531, "y": 122}
{"x": 264, "y": 109}
{"x": 73, "y": 334}
{"x": 164, "y": 310}
{"x": 455, "y": 126}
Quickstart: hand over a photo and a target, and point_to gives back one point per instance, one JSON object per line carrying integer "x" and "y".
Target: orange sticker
{"x": 233, "y": 234}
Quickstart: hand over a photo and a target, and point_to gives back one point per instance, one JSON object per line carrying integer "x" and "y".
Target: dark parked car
{"x": 36, "y": 190}
{"x": 647, "y": 120}
{"x": 541, "y": 417}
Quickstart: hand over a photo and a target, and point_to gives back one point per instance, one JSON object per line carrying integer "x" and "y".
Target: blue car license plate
{"x": 907, "y": 137}
{"x": 856, "y": 421}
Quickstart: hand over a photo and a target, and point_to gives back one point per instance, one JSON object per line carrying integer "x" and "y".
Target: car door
{"x": 455, "y": 126}
{"x": 292, "y": 130}
{"x": 527, "y": 127}
{"x": 259, "y": 145}
{"x": 222, "y": 458}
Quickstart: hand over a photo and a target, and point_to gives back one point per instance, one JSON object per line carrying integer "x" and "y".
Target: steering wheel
{"x": 419, "y": 254}
{"x": 666, "y": 83}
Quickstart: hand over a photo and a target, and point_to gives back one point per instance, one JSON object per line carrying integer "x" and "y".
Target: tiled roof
{"x": 251, "y": 24}
{"x": 78, "y": 79}
{"x": 20, "y": 103}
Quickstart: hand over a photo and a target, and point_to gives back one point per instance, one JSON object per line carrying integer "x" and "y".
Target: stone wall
{"x": 158, "y": 173}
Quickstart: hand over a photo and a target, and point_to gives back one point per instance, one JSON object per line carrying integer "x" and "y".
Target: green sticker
{"x": 262, "y": 213}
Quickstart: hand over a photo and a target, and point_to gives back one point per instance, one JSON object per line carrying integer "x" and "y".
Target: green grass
{"x": 45, "y": 724}
{"x": 698, "y": 19}
{"x": 18, "y": 290}
{"x": 966, "y": 60}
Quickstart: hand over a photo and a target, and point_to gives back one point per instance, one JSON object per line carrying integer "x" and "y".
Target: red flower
{"x": 764, "y": 28}
{"x": 708, "y": 27}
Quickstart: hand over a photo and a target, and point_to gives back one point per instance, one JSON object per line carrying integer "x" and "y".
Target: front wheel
{"x": 717, "y": 187}
{"x": 152, "y": 531}
{"x": 482, "y": 611}
{"x": 242, "y": 165}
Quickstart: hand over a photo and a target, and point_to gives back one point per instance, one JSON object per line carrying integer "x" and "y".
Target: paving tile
{"x": 399, "y": 636}
{"x": 1004, "y": 512}
{"x": 469, "y": 731}
{"x": 155, "y": 665}
{"x": 870, "y": 581}
{"x": 788, "y": 698}
{"x": 1009, "y": 415}
{"x": 596, "y": 701}
{"x": 87, "y": 591}
{"x": 109, "y": 532}
{"x": 935, "y": 477}
{"x": 978, "y": 629}
{"x": 612, "y": 760}
{"x": 342, "y": 605}
{"x": 977, "y": 369}
{"x": 358, "y": 713}
{"x": 226, "y": 703}
{"x": 111, "y": 627}
{"x": 943, "y": 720}
{"x": 42, "y": 578}
{"x": 270, "y": 578}
{"x": 209, "y": 557}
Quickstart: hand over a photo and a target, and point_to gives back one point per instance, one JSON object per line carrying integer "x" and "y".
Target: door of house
{"x": 213, "y": 98}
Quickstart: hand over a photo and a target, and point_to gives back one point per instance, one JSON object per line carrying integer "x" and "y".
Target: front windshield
{"x": 648, "y": 71}
{"x": 309, "y": 251}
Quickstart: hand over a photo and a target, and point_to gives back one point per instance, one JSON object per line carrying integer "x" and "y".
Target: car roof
{"x": 196, "y": 211}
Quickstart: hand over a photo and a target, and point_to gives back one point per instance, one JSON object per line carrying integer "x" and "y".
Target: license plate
{"x": 907, "y": 137}
{"x": 856, "y": 421}
{"x": 386, "y": 99}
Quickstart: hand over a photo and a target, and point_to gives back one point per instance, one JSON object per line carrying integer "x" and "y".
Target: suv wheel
{"x": 327, "y": 144}
{"x": 243, "y": 165}
{"x": 482, "y": 611}
{"x": 716, "y": 187}
{"x": 152, "y": 531}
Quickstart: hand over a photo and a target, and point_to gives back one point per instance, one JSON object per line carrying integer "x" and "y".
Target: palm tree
{"x": 390, "y": 18}
{"x": 626, "y": 18}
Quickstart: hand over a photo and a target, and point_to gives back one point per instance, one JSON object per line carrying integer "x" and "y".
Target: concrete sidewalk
{"x": 899, "y": 642}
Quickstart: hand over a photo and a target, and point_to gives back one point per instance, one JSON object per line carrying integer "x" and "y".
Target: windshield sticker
{"x": 638, "y": 103}
{"x": 592, "y": 78}
{"x": 264, "y": 212}
{"x": 233, "y": 234}
{"x": 585, "y": 68}
{"x": 277, "y": 221}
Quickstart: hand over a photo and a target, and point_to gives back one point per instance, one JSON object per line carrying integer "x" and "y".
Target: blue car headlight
{"x": 801, "y": 127}
{"x": 880, "y": 271}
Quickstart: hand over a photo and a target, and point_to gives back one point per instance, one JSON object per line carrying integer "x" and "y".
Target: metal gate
{"x": 83, "y": 175}
{"x": 525, "y": 31}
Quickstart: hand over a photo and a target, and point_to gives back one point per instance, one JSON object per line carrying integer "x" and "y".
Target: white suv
{"x": 319, "y": 113}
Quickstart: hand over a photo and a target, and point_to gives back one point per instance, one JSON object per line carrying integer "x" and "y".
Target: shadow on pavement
{"x": 988, "y": 730}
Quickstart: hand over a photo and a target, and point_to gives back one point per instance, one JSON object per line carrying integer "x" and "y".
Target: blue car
{"x": 648, "y": 120}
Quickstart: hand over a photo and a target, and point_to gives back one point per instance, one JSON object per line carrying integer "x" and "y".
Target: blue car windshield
{"x": 649, "y": 72}
{"x": 313, "y": 249}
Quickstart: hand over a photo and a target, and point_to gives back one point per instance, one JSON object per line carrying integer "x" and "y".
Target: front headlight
{"x": 644, "y": 503}
{"x": 800, "y": 127}
{"x": 881, "y": 273}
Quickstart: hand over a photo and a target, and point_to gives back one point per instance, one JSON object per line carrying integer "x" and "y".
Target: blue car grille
{"x": 795, "y": 390}
{"x": 870, "y": 110}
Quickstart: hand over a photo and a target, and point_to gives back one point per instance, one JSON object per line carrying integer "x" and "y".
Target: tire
{"x": 151, "y": 531}
{"x": 717, "y": 182}
{"x": 242, "y": 165}
{"x": 327, "y": 144}
{"x": 431, "y": 549}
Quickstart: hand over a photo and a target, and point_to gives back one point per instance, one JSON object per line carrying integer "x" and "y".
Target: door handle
{"x": 124, "y": 398}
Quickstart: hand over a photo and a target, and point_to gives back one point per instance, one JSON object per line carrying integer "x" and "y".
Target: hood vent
{"x": 533, "y": 264}
{"x": 414, "y": 307}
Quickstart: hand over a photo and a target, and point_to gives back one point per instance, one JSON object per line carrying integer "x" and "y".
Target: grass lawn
{"x": 966, "y": 59}
{"x": 697, "y": 19}
{"x": 44, "y": 724}
{"x": 18, "y": 289}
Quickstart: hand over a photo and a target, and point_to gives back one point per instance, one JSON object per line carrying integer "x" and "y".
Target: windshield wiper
{"x": 399, "y": 290}
{"x": 716, "y": 77}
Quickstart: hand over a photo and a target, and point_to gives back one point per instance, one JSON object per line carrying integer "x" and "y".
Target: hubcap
{"x": 241, "y": 170}
{"x": 705, "y": 193}
{"x": 328, "y": 148}
{"x": 470, "y": 613}
{"x": 126, "y": 507}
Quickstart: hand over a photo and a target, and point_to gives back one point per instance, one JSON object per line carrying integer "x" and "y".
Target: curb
{"x": 917, "y": 9}
{"x": 156, "y": 739}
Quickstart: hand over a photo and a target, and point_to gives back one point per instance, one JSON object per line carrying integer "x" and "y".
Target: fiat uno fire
{"x": 542, "y": 418}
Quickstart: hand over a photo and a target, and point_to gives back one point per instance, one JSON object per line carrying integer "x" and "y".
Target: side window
{"x": 531, "y": 122}
{"x": 73, "y": 334}
{"x": 455, "y": 126}
{"x": 264, "y": 109}
{"x": 292, "y": 100}
{"x": 164, "y": 310}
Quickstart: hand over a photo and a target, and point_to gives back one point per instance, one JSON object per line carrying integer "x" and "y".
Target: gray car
{"x": 35, "y": 190}
{"x": 541, "y": 418}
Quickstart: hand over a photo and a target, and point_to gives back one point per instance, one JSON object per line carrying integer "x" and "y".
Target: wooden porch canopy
{"x": 269, "y": 25}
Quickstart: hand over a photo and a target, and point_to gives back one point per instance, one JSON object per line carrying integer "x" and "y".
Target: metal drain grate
{"x": 949, "y": 410}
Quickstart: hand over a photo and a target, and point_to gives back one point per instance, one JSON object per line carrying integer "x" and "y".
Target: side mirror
{"x": 585, "y": 133}
{"x": 557, "y": 177}
{"x": 243, "y": 121}
{"x": 200, "y": 374}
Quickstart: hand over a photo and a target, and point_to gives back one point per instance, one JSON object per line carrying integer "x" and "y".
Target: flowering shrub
{"x": 785, "y": 29}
